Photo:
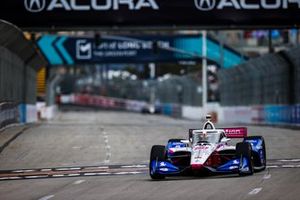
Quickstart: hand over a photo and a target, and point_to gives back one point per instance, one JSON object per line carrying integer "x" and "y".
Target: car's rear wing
{"x": 236, "y": 132}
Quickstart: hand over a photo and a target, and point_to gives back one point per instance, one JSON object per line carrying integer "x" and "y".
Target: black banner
{"x": 153, "y": 13}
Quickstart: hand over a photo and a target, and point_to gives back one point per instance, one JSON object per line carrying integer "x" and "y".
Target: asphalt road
{"x": 105, "y": 154}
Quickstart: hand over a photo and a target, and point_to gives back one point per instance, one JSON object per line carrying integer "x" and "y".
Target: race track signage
{"x": 155, "y": 13}
{"x": 64, "y": 50}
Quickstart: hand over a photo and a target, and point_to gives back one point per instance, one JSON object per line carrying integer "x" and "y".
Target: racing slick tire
{"x": 157, "y": 154}
{"x": 244, "y": 150}
{"x": 259, "y": 162}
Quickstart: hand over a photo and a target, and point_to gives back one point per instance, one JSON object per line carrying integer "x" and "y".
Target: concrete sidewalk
{"x": 9, "y": 134}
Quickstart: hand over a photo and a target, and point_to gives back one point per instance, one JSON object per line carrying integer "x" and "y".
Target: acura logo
{"x": 87, "y": 5}
{"x": 35, "y": 5}
{"x": 205, "y": 4}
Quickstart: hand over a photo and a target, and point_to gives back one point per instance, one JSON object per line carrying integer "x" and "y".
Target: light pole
{"x": 204, "y": 69}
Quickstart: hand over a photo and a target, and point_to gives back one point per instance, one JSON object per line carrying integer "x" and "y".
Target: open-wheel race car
{"x": 208, "y": 150}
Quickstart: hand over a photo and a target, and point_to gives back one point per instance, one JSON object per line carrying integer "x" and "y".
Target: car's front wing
{"x": 167, "y": 168}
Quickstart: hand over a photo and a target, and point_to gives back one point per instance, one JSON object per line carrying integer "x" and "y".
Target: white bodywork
{"x": 200, "y": 151}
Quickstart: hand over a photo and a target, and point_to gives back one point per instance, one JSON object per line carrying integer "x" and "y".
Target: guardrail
{"x": 173, "y": 110}
{"x": 263, "y": 114}
{"x": 102, "y": 102}
{"x": 9, "y": 114}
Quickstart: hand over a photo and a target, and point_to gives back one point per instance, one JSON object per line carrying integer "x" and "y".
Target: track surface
{"x": 104, "y": 155}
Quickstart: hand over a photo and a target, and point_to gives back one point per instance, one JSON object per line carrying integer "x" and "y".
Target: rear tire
{"x": 244, "y": 150}
{"x": 257, "y": 158}
{"x": 157, "y": 154}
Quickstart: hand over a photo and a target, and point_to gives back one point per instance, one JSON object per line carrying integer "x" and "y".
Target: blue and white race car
{"x": 208, "y": 150}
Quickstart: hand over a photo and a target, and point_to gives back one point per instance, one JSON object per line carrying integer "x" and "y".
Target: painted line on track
{"x": 107, "y": 146}
{"x": 78, "y": 182}
{"x": 255, "y": 191}
{"x": 47, "y": 197}
{"x": 267, "y": 176}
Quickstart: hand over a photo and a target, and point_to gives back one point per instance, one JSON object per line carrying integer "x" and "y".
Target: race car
{"x": 209, "y": 150}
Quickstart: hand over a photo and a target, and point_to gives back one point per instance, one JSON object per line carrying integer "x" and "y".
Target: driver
{"x": 203, "y": 136}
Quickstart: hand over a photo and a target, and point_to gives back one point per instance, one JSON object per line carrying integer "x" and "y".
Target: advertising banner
{"x": 146, "y": 13}
{"x": 134, "y": 49}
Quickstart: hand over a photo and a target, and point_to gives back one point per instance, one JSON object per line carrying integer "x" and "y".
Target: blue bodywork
{"x": 163, "y": 167}
{"x": 232, "y": 166}
{"x": 174, "y": 145}
{"x": 257, "y": 147}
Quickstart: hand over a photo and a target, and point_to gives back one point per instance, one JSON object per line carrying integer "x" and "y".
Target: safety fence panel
{"x": 9, "y": 114}
{"x": 272, "y": 79}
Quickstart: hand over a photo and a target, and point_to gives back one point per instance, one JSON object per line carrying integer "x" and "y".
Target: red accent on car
{"x": 237, "y": 132}
{"x": 214, "y": 160}
{"x": 197, "y": 166}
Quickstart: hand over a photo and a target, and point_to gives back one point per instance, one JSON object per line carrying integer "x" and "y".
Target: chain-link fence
{"x": 270, "y": 79}
{"x": 17, "y": 81}
{"x": 185, "y": 90}
{"x": 9, "y": 114}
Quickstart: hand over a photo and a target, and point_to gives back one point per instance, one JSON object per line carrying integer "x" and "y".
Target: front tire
{"x": 157, "y": 154}
{"x": 260, "y": 158}
{"x": 244, "y": 150}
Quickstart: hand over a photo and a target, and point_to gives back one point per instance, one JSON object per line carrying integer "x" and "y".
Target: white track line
{"x": 89, "y": 174}
{"x": 78, "y": 182}
{"x": 45, "y": 170}
{"x": 288, "y": 166}
{"x": 255, "y": 191}
{"x": 68, "y": 169}
{"x": 103, "y": 173}
{"x": 121, "y": 173}
{"x": 134, "y": 166}
{"x": 10, "y": 178}
{"x": 47, "y": 197}
{"x": 290, "y": 160}
{"x": 25, "y": 170}
{"x": 35, "y": 177}
{"x": 58, "y": 175}
{"x": 273, "y": 166}
{"x": 267, "y": 176}
{"x": 73, "y": 175}
{"x": 107, "y": 148}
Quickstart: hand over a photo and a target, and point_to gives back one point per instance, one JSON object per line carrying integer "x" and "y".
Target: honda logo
{"x": 205, "y": 5}
{"x": 35, "y": 5}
